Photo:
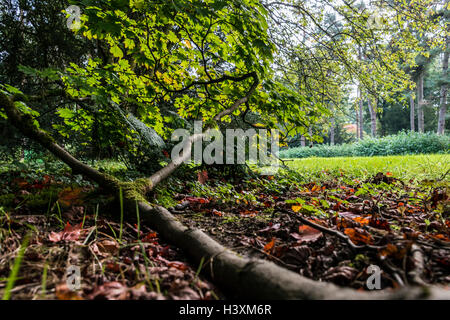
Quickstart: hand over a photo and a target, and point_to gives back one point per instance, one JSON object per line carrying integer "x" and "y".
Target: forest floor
{"x": 328, "y": 220}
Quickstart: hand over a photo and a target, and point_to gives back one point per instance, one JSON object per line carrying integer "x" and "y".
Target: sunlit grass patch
{"x": 419, "y": 167}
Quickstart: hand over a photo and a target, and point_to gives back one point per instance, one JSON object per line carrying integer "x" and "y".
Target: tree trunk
{"x": 357, "y": 124}
{"x": 303, "y": 141}
{"x": 359, "y": 113}
{"x": 444, "y": 90}
{"x": 412, "y": 115}
{"x": 311, "y": 142}
{"x": 373, "y": 117}
{"x": 361, "y": 119}
{"x": 332, "y": 131}
{"x": 420, "y": 103}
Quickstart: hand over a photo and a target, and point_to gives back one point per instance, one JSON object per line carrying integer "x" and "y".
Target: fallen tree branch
{"x": 162, "y": 174}
{"x": 237, "y": 275}
{"x": 24, "y": 123}
{"x": 259, "y": 279}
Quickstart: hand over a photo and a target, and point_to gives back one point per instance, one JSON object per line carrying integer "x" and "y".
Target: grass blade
{"x": 15, "y": 270}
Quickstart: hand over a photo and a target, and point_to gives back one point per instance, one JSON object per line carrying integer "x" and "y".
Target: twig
{"x": 396, "y": 272}
{"x": 333, "y": 233}
{"x": 287, "y": 265}
{"x": 418, "y": 259}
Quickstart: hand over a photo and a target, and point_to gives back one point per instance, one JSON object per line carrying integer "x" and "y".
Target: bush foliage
{"x": 400, "y": 144}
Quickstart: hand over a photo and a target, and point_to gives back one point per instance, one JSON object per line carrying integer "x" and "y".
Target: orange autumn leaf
{"x": 343, "y": 223}
{"x": 150, "y": 237}
{"x": 442, "y": 237}
{"x": 296, "y": 208}
{"x": 248, "y": 213}
{"x": 389, "y": 250}
{"x": 357, "y": 236}
{"x": 362, "y": 220}
{"x": 269, "y": 246}
{"x": 62, "y": 292}
{"x": 389, "y": 174}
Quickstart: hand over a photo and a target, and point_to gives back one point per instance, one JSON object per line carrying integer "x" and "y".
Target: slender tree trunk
{"x": 303, "y": 141}
{"x": 311, "y": 142}
{"x": 412, "y": 115}
{"x": 361, "y": 119}
{"x": 357, "y": 125}
{"x": 444, "y": 90}
{"x": 420, "y": 103}
{"x": 359, "y": 114}
{"x": 373, "y": 117}
{"x": 332, "y": 129}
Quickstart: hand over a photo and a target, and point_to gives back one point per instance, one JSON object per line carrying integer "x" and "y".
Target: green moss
{"x": 47, "y": 138}
{"x": 28, "y": 123}
{"x": 135, "y": 190}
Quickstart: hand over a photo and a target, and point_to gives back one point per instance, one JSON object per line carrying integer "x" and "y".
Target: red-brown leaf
{"x": 306, "y": 234}
{"x": 70, "y": 233}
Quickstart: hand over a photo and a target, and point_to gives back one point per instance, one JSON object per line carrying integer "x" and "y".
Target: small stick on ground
{"x": 419, "y": 265}
{"x": 332, "y": 232}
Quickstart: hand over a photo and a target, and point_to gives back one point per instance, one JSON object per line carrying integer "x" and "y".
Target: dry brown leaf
{"x": 70, "y": 233}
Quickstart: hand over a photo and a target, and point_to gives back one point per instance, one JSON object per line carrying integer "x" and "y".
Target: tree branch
{"x": 26, "y": 125}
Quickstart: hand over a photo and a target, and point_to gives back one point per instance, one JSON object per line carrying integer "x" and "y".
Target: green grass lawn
{"x": 420, "y": 167}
